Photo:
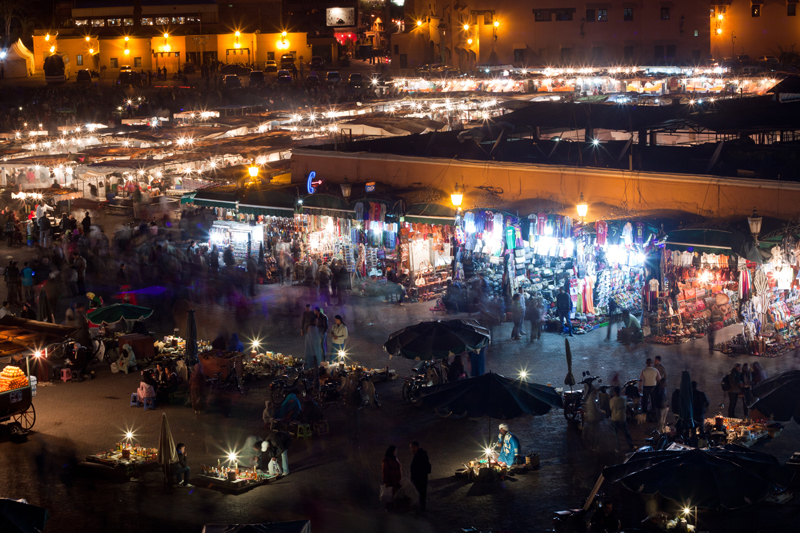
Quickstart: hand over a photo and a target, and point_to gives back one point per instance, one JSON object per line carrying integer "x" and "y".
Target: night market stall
{"x": 426, "y": 248}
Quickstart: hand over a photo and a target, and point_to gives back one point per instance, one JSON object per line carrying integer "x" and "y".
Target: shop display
{"x": 12, "y": 378}
{"x": 243, "y": 238}
{"x": 744, "y": 432}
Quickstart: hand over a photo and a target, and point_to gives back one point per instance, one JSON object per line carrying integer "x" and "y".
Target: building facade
{"x": 470, "y": 33}
{"x": 754, "y": 27}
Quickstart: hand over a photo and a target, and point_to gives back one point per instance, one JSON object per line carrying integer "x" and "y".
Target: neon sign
{"x": 312, "y": 183}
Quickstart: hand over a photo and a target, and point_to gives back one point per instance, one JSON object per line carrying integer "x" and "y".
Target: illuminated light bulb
{"x": 523, "y": 374}
{"x": 237, "y": 34}
{"x": 419, "y": 23}
{"x": 126, "y": 51}
{"x": 466, "y": 27}
{"x": 253, "y": 171}
{"x": 126, "y": 38}
{"x": 129, "y": 435}
{"x": 91, "y": 50}
{"x": 256, "y": 343}
{"x": 719, "y": 31}
{"x": 496, "y": 23}
{"x": 52, "y": 49}
{"x": 283, "y": 34}
{"x": 469, "y": 41}
{"x": 89, "y": 38}
{"x": 166, "y": 36}
{"x": 47, "y": 37}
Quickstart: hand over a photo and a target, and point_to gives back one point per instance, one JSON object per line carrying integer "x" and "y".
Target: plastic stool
{"x": 302, "y": 431}
{"x": 321, "y": 428}
{"x": 66, "y": 374}
{"x": 134, "y": 399}
{"x": 149, "y": 403}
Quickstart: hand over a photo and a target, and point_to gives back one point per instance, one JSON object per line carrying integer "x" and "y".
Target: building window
{"x": 659, "y": 52}
{"x": 162, "y": 21}
{"x": 627, "y": 14}
{"x": 192, "y": 20}
{"x": 597, "y": 54}
{"x": 79, "y": 59}
{"x": 628, "y": 51}
{"x": 114, "y": 62}
{"x": 137, "y": 61}
{"x": 81, "y": 22}
{"x": 179, "y": 20}
{"x": 127, "y": 22}
{"x": 519, "y": 55}
{"x": 147, "y": 21}
{"x": 664, "y": 13}
{"x": 271, "y": 55}
{"x": 696, "y": 33}
{"x": 721, "y": 10}
{"x": 396, "y": 50}
{"x": 564, "y": 15}
{"x": 791, "y": 10}
{"x": 566, "y": 55}
{"x": 96, "y": 23}
{"x": 755, "y": 10}
{"x": 541, "y": 15}
{"x": 671, "y": 51}
{"x": 590, "y": 15}
{"x": 114, "y": 22}
{"x": 602, "y": 15}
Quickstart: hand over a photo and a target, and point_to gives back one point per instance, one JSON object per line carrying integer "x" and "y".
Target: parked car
{"x": 284, "y": 77}
{"x": 271, "y": 66}
{"x": 125, "y": 68}
{"x": 317, "y": 63}
{"x": 238, "y": 70}
{"x": 333, "y": 78}
{"x": 287, "y": 60}
{"x": 231, "y": 81}
{"x": 770, "y": 60}
{"x": 257, "y": 79}
{"x": 312, "y": 80}
{"x": 83, "y": 76}
{"x": 356, "y": 80}
{"x": 189, "y": 68}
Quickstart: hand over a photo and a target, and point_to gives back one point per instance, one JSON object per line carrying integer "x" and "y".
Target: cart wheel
{"x": 26, "y": 419}
{"x": 278, "y": 395}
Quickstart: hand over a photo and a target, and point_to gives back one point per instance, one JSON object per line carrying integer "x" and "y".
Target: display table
{"x": 483, "y": 470}
{"x": 744, "y": 432}
{"x": 131, "y": 462}
{"x": 215, "y": 479}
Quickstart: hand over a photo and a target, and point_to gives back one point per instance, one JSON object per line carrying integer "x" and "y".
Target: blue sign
{"x": 370, "y": 186}
{"x": 312, "y": 183}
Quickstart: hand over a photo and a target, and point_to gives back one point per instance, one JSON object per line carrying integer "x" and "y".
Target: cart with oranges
{"x": 16, "y": 401}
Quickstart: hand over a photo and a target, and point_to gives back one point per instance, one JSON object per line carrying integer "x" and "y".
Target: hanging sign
{"x": 370, "y": 186}
{"x": 313, "y": 183}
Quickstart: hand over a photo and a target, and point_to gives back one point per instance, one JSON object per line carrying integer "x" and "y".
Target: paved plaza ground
{"x": 334, "y": 479}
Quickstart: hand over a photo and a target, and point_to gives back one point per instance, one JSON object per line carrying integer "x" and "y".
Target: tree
{"x": 8, "y": 10}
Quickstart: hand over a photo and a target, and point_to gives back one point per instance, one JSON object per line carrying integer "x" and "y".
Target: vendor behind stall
{"x": 509, "y": 446}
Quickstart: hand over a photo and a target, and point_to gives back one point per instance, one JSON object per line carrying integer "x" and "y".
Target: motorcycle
{"x": 281, "y": 388}
{"x": 573, "y": 399}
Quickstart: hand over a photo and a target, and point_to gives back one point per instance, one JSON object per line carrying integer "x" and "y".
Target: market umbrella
{"x": 715, "y": 478}
{"x": 44, "y": 312}
{"x": 570, "y": 379}
{"x": 686, "y": 411}
{"x": 191, "y": 338}
{"x": 17, "y": 516}
{"x": 111, "y": 314}
{"x": 779, "y": 397}
{"x": 493, "y": 395}
{"x": 437, "y": 339}
{"x": 167, "y": 454}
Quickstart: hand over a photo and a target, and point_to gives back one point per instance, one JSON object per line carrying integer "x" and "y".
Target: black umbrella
{"x": 191, "y": 338}
{"x": 44, "y": 313}
{"x": 437, "y": 339}
{"x": 685, "y": 397}
{"x": 493, "y": 395}
{"x": 716, "y": 478}
{"x": 570, "y": 379}
{"x": 779, "y": 397}
{"x": 17, "y": 516}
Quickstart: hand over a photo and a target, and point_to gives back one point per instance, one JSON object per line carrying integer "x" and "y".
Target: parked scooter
{"x": 573, "y": 400}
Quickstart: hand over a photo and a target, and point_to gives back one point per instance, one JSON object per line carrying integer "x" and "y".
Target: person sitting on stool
{"x": 182, "y": 470}
{"x": 631, "y": 330}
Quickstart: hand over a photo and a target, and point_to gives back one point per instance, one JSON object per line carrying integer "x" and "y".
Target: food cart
{"x": 24, "y": 339}
{"x": 233, "y": 479}
{"x": 222, "y": 368}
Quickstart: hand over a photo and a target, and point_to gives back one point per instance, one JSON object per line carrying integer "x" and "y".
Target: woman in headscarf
{"x": 391, "y": 472}
{"x": 235, "y": 345}
{"x": 290, "y": 408}
{"x": 456, "y": 371}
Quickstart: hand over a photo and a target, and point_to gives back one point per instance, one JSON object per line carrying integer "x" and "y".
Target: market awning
{"x": 431, "y": 214}
{"x": 216, "y": 198}
{"x": 714, "y": 241}
{"x": 327, "y": 205}
{"x": 188, "y": 198}
{"x": 273, "y": 203}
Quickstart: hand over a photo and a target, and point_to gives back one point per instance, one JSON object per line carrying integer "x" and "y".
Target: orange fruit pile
{"x": 12, "y": 378}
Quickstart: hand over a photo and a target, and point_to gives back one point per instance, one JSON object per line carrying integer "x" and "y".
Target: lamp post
{"x": 583, "y": 208}
{"x": 755, "y": 225}
{"x": 253, "y": 170}
{"x": 457, "y": 196}
{"x": 346, "y": 188}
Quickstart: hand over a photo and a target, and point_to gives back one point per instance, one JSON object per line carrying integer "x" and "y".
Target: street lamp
{"x": 457, "y": 197}
{"x": 583, "y": 208}
{"x": 419, "y": 23}
{"x": 755, "y": 224}
{"x": 253, "y": 170}
{"x": 346, "y": 188}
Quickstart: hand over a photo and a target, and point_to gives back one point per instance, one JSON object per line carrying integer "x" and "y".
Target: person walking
{"x": 344, "y": 284}
{"x": 522, "y": 304}
{"x": 338, "y": 335}
{"x": 305, "y": 320}
{"x": 196, "y": 384}
{"x": 563, "y": 308}
{"x": 324, "y": 276}
{"x": 661, "y": 404}
{"x": 79, "y": 264}
{"x": 182, "y": 469}
{"x": 420, "y": 469}
{"x": 313, "y": 353}
{"x": 711, "y": 334}
{"x": 747, "y": 385}
{"x": 322, "y": 326}
{"x": 516, "y": 317}
{"x": 619, "y": 417}
{"x": 534, "y": 313}
{"x": 732, "y": 384}
{"x": 613, "y": 316}
{"x": 759, "y": 374}
{"x": 86, "y": 223}
{"x": 391, "y": 472}
{"x": 648, "y": 379}
{"x": 27, "y": 283}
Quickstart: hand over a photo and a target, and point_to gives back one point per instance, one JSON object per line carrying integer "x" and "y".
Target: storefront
{"x": 425, "y": 248}
{"x": 245, "y": 239}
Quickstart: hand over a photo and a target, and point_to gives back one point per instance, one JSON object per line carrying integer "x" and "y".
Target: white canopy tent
{"x": 17, "y": 61}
